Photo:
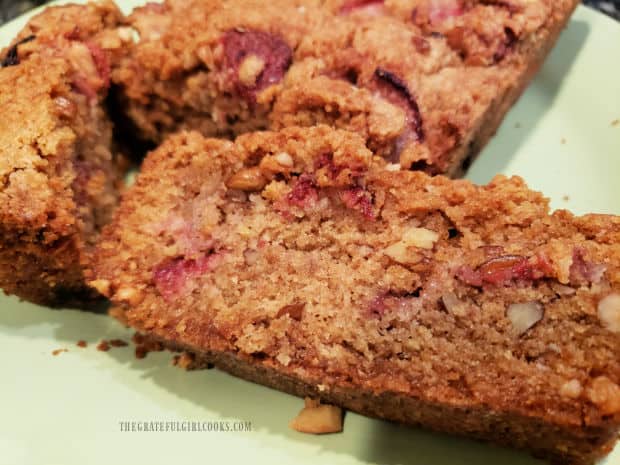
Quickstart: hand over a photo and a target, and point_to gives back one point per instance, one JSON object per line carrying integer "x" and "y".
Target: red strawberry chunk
{"x": 101, "y": 63}
{"x": 390, "y": 302}
{"x": 378, "y": 305}
{"x": 304, "y": 193}
{"x": 367, "y": 7}
{"x": 91, "y": 67}
{"x": 358, "y": 199}
{"x": 271, "y": 49}
{"x": 469, "y": 276}
{"x": 172, "y": 277}
{"x": 583, "y": 271}
{"x": 395, "y": 90}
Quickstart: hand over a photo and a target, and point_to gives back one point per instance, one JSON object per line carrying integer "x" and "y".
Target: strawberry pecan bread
{"x": 58, "y": 165}
{"x": 425, "y": 82}
{"x": 299, "y": 260}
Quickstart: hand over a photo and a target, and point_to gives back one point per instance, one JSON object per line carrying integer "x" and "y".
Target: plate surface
{"x": 70, "y": 408}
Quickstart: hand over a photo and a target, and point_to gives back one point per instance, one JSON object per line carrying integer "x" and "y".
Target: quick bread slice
{"x": 426, "y": 83}
{"x": 299, "y": 260}
{"x": 59, "y": 169}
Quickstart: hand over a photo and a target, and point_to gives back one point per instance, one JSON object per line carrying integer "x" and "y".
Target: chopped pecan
{"x": 247, "y": 179}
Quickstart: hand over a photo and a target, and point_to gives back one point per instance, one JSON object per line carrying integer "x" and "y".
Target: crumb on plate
{"x": 103, "y": 346}
{"x": 145, "y": 345}
{"x": 118, "y": 343}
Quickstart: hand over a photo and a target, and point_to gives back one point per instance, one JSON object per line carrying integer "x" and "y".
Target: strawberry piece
{"x": 395, "y": 90}
{"x": 304, "y": 193}
{"x": 358, "y": 199}
{"x": 583, "y": 271}
{"x": 172, "y": 277}
{"x": 102, "y": 63}
{"x": 274, "y": 52}
{"x": 367, "y": 7}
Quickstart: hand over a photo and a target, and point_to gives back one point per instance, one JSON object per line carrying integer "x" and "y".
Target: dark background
{"x": 12, "y": 8}
{"x": 611, "y": 7}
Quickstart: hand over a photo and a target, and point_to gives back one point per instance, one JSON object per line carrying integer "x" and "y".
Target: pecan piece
{"x": 248, "y": 179}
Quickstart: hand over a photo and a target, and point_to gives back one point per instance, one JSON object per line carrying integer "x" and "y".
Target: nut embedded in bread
{"x": 412, "y": 298}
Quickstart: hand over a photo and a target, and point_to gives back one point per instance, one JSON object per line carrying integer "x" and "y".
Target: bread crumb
{"x": 81, "y": 343}
{"x": 145, "y": 345}
{"x": 563, "y": 141}
{"x": 615, "y": 122}
{"x": 566, "y": 198}
{"x": 59, "y": 351}
{"x": 118, "y": 343}
{"x": 315, "y": 418}
{"x": 103, "y": 346}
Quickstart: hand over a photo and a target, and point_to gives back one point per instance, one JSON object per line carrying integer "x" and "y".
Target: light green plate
{"x": 68, "y": 409}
